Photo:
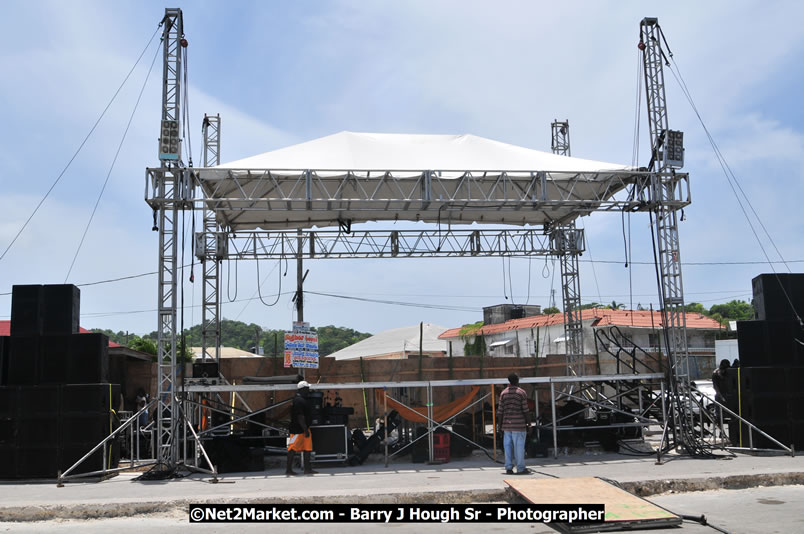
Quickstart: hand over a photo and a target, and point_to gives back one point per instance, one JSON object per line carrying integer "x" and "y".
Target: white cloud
{"x": 279, "y": 75}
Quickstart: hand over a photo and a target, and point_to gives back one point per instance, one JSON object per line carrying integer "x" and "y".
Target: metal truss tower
{"x": 567, "y": 244}
{"x": 210, "y": 249}
{"x": 170, "y": 189}
{"x": 560, "y": 141}
{"x": 666, "y": 156}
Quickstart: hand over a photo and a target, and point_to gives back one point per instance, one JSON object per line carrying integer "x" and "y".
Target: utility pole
{"x": 299, "y": 278}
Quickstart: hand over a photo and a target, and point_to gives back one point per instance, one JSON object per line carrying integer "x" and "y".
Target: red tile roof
{"x": 604, "y": 317}
{"x": 5, "y": 330}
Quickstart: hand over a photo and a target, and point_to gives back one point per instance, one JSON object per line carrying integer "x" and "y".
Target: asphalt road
{"x": 765, "y": 510}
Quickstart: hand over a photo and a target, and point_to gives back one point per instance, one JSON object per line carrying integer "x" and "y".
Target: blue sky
{"x": 285, "y": 72}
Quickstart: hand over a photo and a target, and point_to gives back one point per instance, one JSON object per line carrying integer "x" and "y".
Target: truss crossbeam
{"x": 268, "y": 199}
{"x": 385, "y": 244}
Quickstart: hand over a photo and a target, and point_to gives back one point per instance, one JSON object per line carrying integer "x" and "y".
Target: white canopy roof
{"x": 398, "y": 340}
{"x": 360, "y": 177}
{"x": 408, "y": 152}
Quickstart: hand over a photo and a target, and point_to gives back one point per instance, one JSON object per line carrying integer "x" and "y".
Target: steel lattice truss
{"x": 280, "y": 199}
{"x": 171, "y": 189}
{"x": 247, "y": 213}
{"x": 211, "y": 247}
{"x": 387, "y": 244}
{"x": 567, "y": 242}
{"x": 667, "y": 238}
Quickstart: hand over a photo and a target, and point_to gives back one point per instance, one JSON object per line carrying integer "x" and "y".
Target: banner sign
{"x": 301, "y": 349}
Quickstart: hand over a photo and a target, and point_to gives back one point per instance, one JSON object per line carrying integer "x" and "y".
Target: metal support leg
{"x": 555, "y": 425}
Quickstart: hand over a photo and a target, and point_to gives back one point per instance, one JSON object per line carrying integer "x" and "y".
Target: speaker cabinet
{"x": 23, "y": 363}
{"x": 5, "y": 345}
{"x": 772, "y": 399}
{"x": 77, "y": 429}
{"x": 89, "y": 398}
{"x": 205, "y": 370}
{"x": 9, "y": 401}
{"x": 61, "y": 309}
{"x": 54, "y": 359}
{"x": 89, "y": 359}
{"x": 8, "y": 467}
{"x": 771, "y": 294}
{"x": 35, "y": 401}
{"x": 330, "y": 442}
{"x": 26, "y": 310}
{"x": 38, "y": 462}
{"x": 8, "y": 431}
{"x": 770, "y": 342}
{"x": 38, "y": 431}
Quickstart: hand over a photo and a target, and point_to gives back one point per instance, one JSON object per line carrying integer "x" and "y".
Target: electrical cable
{"x": 529, "y": 272}
{"x": 630, "y": 270}
{"x": 503, "y": 277}
{"x": 254, "y": 296}
{"x": 75, "y": 154}
{"x": 546, "y": 269}
{"x": 591, "y": 258}
{"x": 731, "y": 178}
{"x": 111, "y": 168}
{"x": 259, "y": 285}
{"x": 395, "y": 303}
{"x": 228, "y": 276}
{"x": 510, "y": 285}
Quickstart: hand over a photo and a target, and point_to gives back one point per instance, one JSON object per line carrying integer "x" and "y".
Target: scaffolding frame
{"x": 536, "y": 200}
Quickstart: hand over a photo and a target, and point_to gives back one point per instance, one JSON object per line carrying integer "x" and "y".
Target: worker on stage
{"x": 300, "y": 439}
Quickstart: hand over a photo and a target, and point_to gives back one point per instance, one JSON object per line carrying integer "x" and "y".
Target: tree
{"x": 143, "y": 344}
{"x": 735, "y": 310}
{"x": 695, "y": 307}
{"x": 473, "y": 342}
{"x": 551, "y": 310}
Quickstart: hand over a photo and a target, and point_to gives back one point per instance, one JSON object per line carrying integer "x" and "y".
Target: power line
{"x": 686, "y": 263}
{"x": 397, "y": 303}
{"x": 111, "y": 167}
{"x": 64, "y": 170}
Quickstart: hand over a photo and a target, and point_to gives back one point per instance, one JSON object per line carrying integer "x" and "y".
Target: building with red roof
{"x": 606, "y": 333}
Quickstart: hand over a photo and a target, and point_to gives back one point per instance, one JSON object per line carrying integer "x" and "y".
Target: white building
{"x": 396, "y": 344}
{"x": 604, "y": 331}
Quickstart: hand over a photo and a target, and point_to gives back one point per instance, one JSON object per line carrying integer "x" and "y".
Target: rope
{"x": 75, "y": 154}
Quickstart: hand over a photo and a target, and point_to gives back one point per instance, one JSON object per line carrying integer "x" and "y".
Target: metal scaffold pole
{"x": 210, "y": 248}
{"x": 567, "y": 243}
{"x": 666, "y": 157}
{"x": 171, "y": 189}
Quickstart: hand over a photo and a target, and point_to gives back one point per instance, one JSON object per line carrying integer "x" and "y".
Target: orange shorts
{"x": 298, "y": 442}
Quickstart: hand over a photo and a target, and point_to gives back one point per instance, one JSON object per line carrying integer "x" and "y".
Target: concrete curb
{"x": 643, "y": 488}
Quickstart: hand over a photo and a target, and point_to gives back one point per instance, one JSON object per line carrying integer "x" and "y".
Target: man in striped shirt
{"x": 514, "y": 421}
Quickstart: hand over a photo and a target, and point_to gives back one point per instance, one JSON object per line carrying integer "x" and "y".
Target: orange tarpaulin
{"x": 440, "y": 413}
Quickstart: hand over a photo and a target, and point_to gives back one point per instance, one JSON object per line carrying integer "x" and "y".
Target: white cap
{"x": 303, "y": 384}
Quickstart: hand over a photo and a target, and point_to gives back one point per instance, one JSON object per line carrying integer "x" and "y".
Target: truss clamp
{"x": 209, "y": 245}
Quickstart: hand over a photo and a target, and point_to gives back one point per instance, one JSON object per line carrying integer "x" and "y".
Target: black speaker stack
{"x": 770, "y": 390}
{"x": 56, "y": 402}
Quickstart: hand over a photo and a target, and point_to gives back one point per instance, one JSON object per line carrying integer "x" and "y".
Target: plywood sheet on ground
{"x": 621, "y": 506}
